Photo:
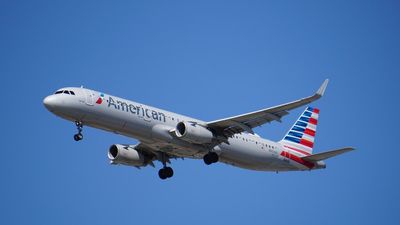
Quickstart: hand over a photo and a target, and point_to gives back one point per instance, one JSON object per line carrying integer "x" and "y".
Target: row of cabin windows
{"x": 174, "y": 119}
{"x": 245, "y": 139}
{"x": 65, "y": 92}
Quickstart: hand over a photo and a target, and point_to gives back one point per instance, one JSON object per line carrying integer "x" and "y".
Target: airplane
{"x": 165, "y": 135}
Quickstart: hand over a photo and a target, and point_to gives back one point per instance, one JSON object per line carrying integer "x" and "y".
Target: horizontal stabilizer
{"x": 326, "y": 155}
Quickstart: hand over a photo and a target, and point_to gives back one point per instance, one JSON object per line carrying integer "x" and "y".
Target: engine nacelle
{"x": 127, "y": 155}
{"x": 193, "y": 133}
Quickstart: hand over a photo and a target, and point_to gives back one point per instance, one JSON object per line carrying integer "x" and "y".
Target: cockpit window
{"x": 65, "y": 92}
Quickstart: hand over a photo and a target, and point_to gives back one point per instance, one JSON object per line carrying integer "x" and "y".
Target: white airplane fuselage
{"x": 152, "y": 126}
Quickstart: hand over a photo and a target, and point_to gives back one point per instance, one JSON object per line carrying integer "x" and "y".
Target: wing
{"x": 246, "y": 122}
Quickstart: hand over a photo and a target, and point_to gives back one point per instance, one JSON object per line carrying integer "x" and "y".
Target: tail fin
{"x": 301, "y": 136}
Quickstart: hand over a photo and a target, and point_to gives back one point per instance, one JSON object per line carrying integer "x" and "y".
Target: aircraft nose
{"x": 50, "y": 102}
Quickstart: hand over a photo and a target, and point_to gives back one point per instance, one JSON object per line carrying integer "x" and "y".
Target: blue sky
{"x": 209, "y": 60}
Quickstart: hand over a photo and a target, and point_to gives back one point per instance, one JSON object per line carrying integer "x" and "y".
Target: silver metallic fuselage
{"x": 152, "y": 126}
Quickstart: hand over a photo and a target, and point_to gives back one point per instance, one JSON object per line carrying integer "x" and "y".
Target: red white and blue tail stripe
{"x": 300, "y": 137}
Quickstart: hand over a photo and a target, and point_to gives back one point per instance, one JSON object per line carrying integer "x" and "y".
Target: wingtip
{"x": 322, "y": 89}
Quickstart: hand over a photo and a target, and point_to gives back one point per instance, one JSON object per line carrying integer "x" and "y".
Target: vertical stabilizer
{"x": 300, "y": 137}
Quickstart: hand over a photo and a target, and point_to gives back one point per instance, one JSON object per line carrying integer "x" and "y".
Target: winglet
{"x": 321, "y": 89}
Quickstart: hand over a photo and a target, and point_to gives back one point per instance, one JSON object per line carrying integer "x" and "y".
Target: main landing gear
{"x": 210, "y": 158}
{"x": 79, "y": 135}
{"x": 166, "y": 171}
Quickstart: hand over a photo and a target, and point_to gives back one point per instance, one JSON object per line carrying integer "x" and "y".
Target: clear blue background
{"x": 209, "y": 60}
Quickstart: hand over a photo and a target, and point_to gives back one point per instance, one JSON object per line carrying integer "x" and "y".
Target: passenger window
{"x": 72, "y": 93}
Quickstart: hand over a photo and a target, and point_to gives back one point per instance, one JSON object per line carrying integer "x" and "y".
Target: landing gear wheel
{"x": 214, "y": 157}
{"x": 162, "y": 174}
{"x": 210, "y": 158}
{"x": 166, "y": 172}
{"x": 207, "y": 159}
{"x": 169, "y": 171}
{"x": 78, "y": 137}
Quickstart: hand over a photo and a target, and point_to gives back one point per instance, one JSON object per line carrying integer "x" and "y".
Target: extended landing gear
{"x": 210, "y": 158}
{"x": 79, "y": 135}
{"x": 166, "y": 171}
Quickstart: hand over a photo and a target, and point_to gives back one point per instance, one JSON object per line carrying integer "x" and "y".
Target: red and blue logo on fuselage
{"x": 100, "y": 99}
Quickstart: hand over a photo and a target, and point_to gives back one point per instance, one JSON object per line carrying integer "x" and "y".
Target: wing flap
{"x": 326, "y": 155}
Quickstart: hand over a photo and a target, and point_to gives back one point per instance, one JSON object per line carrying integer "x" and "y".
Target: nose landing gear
{"x": 79, "y": 135}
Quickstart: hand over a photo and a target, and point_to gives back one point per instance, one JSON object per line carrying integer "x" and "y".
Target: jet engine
{"x": 193, "y": 133}
{"x": 127, "y": 155}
